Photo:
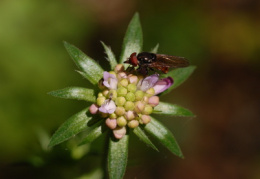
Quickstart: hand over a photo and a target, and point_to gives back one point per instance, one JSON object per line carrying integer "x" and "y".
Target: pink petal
{"x": 106, "y": 75}
{"x": 110, "y": 81}
{"x": 113, "y": 83}
{"x": 163, "y": 85}
{"x": 108, "y": 107}
{"x": 148, "y": 82}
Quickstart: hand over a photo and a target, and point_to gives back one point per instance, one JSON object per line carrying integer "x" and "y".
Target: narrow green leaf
{"x": 117, "y": 157}
{"x": 78, "y": 93}
{"x": 110, "y": 56}
{"x": 92, "y": 133}
{"x": 172, "y": 110}
{"x": 83, "y": 74}
{"x": 179, "y": 75}
{"x": 133, "y": 40}
{"x": 91, "y": 69}
{"x": 143, "y": 137}
{"x": 155, "y": 49}
{"x": 162, "y": 134}
{"x": 75, "y": 124}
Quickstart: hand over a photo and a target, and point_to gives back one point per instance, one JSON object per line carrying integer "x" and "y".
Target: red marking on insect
{"x": 132, "y": 60}
{"x": 150, "y": 61}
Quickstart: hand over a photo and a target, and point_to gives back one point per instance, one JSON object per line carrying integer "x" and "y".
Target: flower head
{"x": 129, "y": 98}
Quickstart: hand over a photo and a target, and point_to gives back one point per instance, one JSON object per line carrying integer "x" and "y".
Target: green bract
{"x": 132, "y": 106}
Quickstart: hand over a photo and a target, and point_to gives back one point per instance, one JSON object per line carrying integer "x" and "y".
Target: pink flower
{"x": 110, "y": 80}
{"x": 109, "y": 106}
{"x": 147, "y": 82}
{"x": 153, "y": 81}
{"x": 163, "y": 85}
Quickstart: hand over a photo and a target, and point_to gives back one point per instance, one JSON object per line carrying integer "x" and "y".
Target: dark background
{"x": 220, "y": 37}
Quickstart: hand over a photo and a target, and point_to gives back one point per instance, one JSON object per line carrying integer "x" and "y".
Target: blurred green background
{"x": 220, "y": 37}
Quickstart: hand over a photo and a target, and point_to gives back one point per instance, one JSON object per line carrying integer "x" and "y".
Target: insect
{"x": 150, "y": 61}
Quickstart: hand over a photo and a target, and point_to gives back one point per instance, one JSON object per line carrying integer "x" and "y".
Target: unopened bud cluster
{"x": 122, "y": 102}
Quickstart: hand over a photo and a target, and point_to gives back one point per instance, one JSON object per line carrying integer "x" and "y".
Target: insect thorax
{"x": 146, "y": 58}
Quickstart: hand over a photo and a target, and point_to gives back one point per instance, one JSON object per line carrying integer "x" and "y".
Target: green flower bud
{"x": 100, "y": 94}
{"x": 105, "y": 92}
{"x": 130, "y": 96}
{"x": 113, "y": 73}
{"x": 145, "y": 99}
{"x": 133, "y": 124}
{"x": 121, "y": 91}
{"x": 120, "y": 101}
{"x": 139, "y": 106}
{"x": 139, "y": 94}
{"x": 123, "y": 82}
{"x": 113, "y": 116}
{"x": 133, "y": 79}
{"x": 147, "y": 109}
{"x": 129, "y": 106}
{"x": 150, "y": 92}
{"x": 120, "y": 111}
{"x": 121, "y": 121}
{"x": 131, "y": 88}
{"x": 112, "y": 94}
{"x": 100, "y": 100}
{"x": 119, "y": 68}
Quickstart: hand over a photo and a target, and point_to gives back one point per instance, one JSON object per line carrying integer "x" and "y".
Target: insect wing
{"x": 169, "y": 61}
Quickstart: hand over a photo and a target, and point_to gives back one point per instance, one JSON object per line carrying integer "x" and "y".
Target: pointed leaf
{"x": 117, "y": 157}
{"x": 172, "y": 110}
{"x": 155, "y": 49}
{"x": 91, "y": 69}
{"x": 74, "y": 125}
{"x": 179, "y": 75}
{"x": 83, "y": 74}
{"x": 133, "y": 40}
{"x": 78, "y": 93}
{"x": 143, "y": 137}
{"x": 162, "y": 134}
{"x": 93, "y": 133}
{"x": 110, "y": 56}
